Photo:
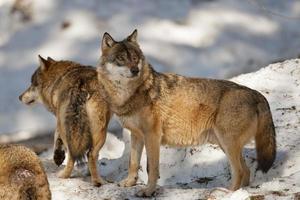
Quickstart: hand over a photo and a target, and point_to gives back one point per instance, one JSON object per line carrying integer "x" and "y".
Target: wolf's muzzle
{"x": 134, "y": 70}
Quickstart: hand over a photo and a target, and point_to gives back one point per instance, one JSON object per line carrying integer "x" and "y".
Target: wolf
{"x": 71, "y": 92}
{"x": 170, "y": 109}
{"x": 22, "y": 175}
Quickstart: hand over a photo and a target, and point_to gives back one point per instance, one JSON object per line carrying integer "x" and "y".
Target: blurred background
{"x": 208, "y": 38}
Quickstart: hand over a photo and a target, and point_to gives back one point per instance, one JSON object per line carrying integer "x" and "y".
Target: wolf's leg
{"x": 234, "y": 153}
{"x": 246, "y": 174}
{"x": 137, "y": 145}
{"x": 235, "y": 125}
{"x": 59, "y": 153}
{"x": 66, "y": 172}
{"x": 93, "y": 158}
{"x": 152, "y": 144}
{"x": 236, "y": 168}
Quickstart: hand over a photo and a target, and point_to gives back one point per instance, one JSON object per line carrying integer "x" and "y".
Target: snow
{"x": 202, "y": 172}
{"x": 196, "y": 38}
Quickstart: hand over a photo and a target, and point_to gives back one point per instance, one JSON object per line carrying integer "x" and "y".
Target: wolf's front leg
{"x": 59, "y": 153}
{"x": 152, "y": 144}
{"x": 137, "y": 145}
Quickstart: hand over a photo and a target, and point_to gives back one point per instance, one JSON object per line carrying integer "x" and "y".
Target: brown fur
{"x": 22, "y": 176}
{"x": 71, "y": 92}
{"x": 169, "y": 109}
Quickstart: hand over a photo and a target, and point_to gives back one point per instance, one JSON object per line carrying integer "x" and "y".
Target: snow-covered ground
{"x": 192, "y": 37}
{"x": 194, "y": 173}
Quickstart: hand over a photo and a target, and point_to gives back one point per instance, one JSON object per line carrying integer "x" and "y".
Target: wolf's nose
{"x": 20, "y": 97}
{"x": 134, "y": 70}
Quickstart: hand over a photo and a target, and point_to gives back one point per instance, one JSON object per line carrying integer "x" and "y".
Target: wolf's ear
{"x": 44, "y": 64}
{"x": 133, "y": 36}
{"x": 51, "y": 60}
{"x": 107, "y": 41}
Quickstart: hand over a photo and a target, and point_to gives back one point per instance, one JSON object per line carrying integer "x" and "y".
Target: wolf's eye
{"x": 120, "y": 58}
{"x": 134, "y": 58}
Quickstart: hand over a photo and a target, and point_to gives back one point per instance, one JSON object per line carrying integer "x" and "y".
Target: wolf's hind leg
{"x": 93, "y": 158}
{"x": 235, "y": 126}
{"x": 246, "y": 173}
{"x": 245, "y": 170}
{"x": 236, "y": 167}
{"x": 66, "y": 172}
{"x": 233, "y": 152}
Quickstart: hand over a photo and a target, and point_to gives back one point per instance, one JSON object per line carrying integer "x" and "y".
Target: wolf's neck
{"x": 49, "y": 99}
{"x": 124, "y": 97}
{"x": 118, "y": 91}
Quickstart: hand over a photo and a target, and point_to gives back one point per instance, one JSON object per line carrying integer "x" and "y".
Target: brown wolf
{"x": 174, "y": 110}
{"x": 22, "y": 175}
{"x": 71, "y": 92}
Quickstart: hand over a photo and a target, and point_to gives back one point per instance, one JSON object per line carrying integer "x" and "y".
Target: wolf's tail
{"x": 265, "y": 137}
{"x": 79, "y": 138}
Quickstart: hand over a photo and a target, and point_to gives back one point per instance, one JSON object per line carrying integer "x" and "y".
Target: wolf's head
{"x": 33, "y": 94}
{"x": 122, "y": 60}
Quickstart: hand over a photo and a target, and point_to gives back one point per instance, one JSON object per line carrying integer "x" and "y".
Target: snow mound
{"x": 195, "y": 173}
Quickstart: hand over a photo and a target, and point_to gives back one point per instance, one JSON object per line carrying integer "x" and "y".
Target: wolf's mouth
{"x": 30, "y": 102}
{"x": 130, "y": 77}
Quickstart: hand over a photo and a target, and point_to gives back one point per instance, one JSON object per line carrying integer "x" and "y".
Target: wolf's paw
{"x": 146, "y": 192}
{"x": 233, "y": 188}
{"x": 98, "y": 182}
{"x": 128, "y": 182}
{"x": 59, "y": 156}
{"x": 63, "y": 174}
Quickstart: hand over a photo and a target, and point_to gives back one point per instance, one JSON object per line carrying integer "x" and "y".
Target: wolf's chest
{"x": 122, "y": 94}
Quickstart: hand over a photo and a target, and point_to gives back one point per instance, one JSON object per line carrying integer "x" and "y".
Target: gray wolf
{"x": 71, "y": 92}
{"x": 22, "y": 175}
{"x": 169, "y": 109}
